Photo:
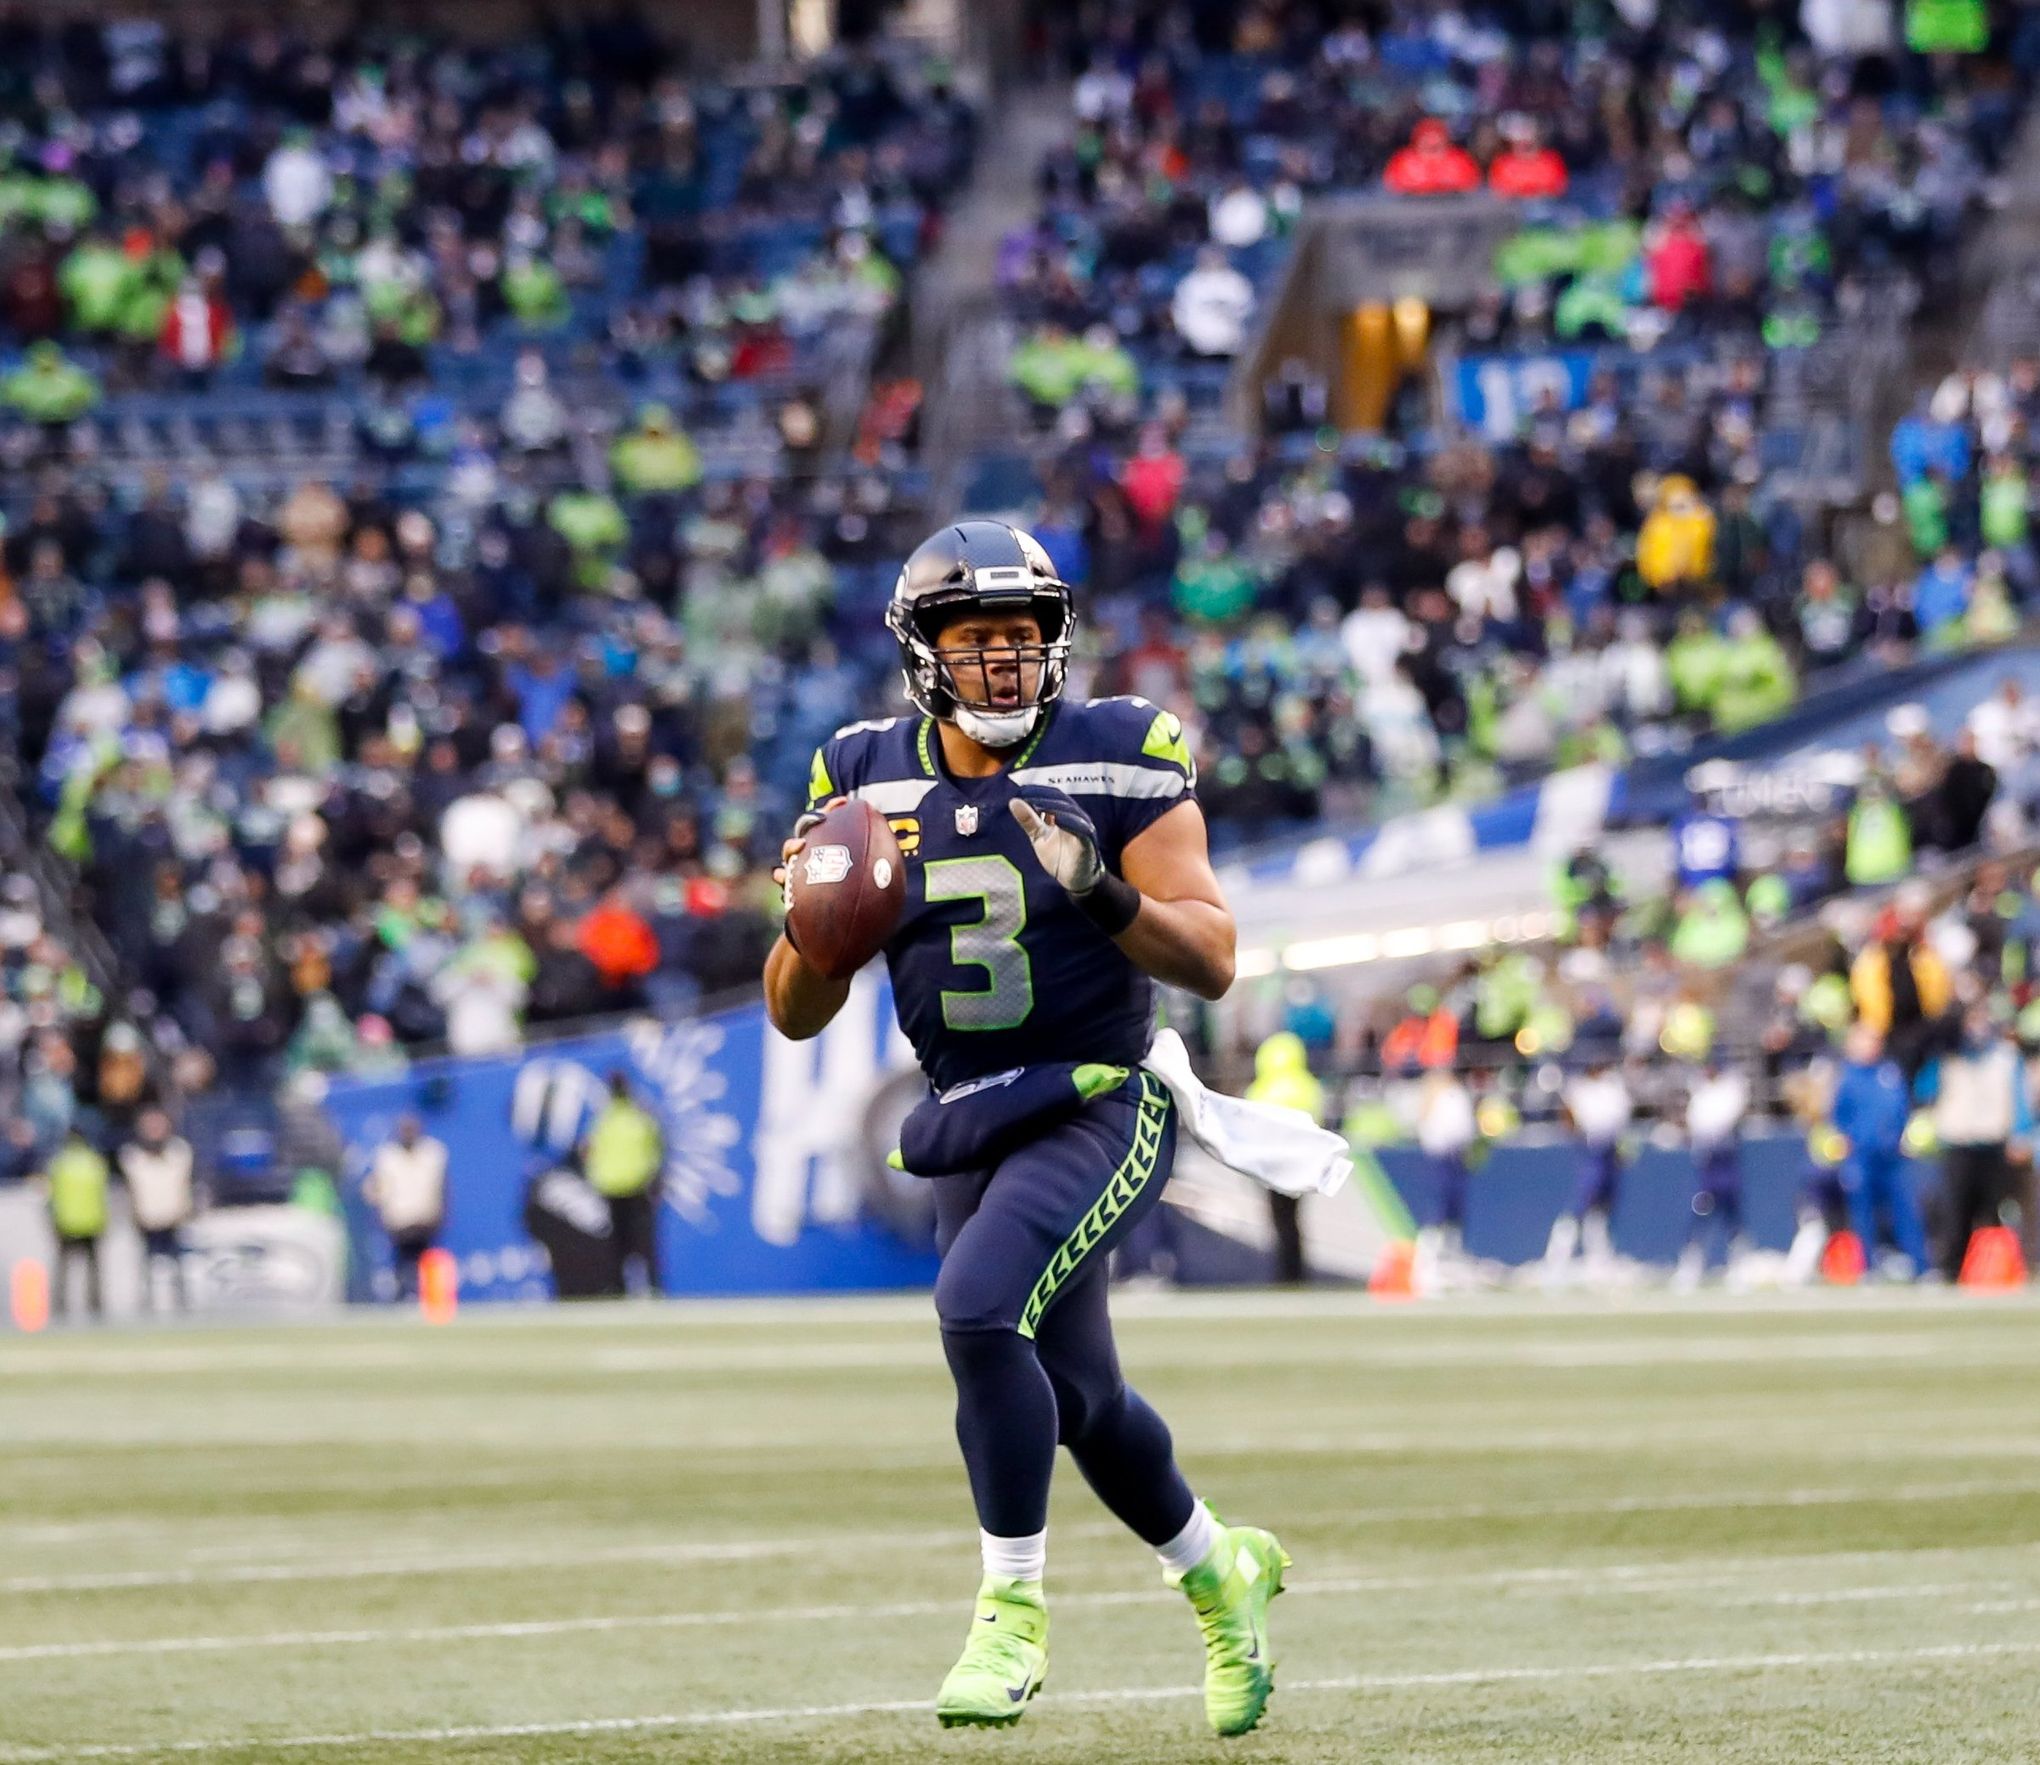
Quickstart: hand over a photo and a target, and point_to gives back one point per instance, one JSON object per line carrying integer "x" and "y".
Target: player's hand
{"x": 798, "y": 838}
{"x": 1065, "y": 839}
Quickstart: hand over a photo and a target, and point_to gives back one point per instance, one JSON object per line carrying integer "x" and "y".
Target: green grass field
{"x": 1788, "y": 1530}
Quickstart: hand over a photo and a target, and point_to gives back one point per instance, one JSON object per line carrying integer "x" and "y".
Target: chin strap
{"x": 997, "y": 729}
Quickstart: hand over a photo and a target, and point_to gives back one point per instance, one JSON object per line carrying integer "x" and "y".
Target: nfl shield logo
{"x": 966, "y": 819}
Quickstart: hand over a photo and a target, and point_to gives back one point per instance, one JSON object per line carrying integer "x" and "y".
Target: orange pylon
{"x": 1994, "y": 1261}
{"x": 1391, "y": 1278}
{"x": 28, "y": 1293}
{"x": 438, "y": 1286}
{"x": 1842, "y": 1263}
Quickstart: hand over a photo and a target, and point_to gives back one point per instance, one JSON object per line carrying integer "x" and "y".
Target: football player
{"x": 1057, "y": 869}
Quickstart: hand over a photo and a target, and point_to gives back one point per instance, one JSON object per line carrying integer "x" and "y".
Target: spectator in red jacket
{"x": 621, "y": 945}
{"x": 1153, "y": 479}
{"x": 196, "y": 329}
{"x": 1431, "y": 165}
{"x": 1679, "y": 263}
{"x": 1526, "y": 169}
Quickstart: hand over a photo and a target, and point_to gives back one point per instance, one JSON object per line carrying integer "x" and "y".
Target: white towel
{"x": 1279, "y": 1147}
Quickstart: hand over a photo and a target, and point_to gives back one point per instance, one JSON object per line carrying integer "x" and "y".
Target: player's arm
{"x": 1184, "y": 933}
{"x": 801, "y": 1001}
{"x": 1165, "y": 908}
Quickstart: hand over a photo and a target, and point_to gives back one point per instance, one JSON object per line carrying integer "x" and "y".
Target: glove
{"x": 1065, "y": 839}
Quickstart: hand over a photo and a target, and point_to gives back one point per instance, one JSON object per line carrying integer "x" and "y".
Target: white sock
{"x": 1193, "y": 1544}
{"x": 1015, "y": 1559}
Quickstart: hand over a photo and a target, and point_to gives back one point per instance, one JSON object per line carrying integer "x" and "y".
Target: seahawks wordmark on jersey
{"x": 992, "y": 965}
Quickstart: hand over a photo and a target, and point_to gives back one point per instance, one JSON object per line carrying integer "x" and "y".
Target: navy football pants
{"x": 1022, "y": 1299}
{"x": 1600, "y": 1180}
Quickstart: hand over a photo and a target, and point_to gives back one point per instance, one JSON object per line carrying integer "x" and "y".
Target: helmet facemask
{"x": 993, "y": 692}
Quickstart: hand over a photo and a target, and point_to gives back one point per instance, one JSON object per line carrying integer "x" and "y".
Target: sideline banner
{"x": 774, "y": 1180}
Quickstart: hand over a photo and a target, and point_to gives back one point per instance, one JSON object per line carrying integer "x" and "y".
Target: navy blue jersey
{"x": 993, "y": 966}
{"x": 1705, "y": 848}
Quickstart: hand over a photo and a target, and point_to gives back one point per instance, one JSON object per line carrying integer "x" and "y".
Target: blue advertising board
{"x": 1512, "y": 1200}
{"x": 1496, "y": 394}
{"x": 770, "y": 1184}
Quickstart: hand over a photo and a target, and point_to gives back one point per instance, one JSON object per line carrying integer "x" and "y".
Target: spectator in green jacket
{"x": 1694, "y": 661}
{"x": 62, "y": 207}
{"x": 1755, "y": 682}
{"x": 622, "y": 1157}
{"x": 1212, "y": 585}
{"x": 76, "y": 1179}
{"x": 595, "y": 530}
{"x": 1107, "y": 365}
{"x": 1052, "y": 367}
{"x": 655, "y": 457}
{"x": 2003, "y": 504}
{"x": 535, "y": 293}
{"x": 1712, "y": 930}
{"x": 1925, "y": 500}
{"x": 97, "y": 278}
{"x": 49, "y": 387}
{"x": 1047, "y": 367}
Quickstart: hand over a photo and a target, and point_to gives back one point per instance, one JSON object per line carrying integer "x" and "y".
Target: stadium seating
{"x": 408, "y": 566}
{"x": 480, "y": 380}
{"x": 1724, "y": 254}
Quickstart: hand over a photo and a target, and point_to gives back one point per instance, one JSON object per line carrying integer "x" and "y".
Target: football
{"x": 845, "y": 890}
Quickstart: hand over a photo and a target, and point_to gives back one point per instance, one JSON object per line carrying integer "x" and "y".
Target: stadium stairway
{"x": 1998, "y": 315}
{"x": 959, "y": 341}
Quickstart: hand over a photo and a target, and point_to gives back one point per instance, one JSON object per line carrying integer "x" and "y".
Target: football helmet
{"x": 967, "y": 567}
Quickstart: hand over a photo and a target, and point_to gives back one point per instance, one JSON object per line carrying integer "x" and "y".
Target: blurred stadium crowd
{"x": 449, "y": 495}
{"x": 1700, "y": 202}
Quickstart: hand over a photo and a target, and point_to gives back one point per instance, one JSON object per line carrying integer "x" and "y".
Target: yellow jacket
{"x": 1282, "y": 1075}
{"x": 1676, "y": 543}
{"x": 1870, "y": 985}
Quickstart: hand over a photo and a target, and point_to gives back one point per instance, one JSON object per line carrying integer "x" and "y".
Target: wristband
{"x": 1111, "y": 904}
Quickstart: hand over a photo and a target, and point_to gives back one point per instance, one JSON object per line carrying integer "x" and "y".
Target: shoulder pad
{"x": 873, "y": 759}
{"x": 1144, "y": 733}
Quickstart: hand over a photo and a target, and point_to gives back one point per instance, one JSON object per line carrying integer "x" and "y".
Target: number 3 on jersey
{"x": 991, "y": 942}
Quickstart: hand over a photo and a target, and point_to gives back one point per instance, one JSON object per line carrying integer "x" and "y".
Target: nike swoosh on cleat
{"x": 1015, "y": 1693}
{"x": 988, "y": 1617}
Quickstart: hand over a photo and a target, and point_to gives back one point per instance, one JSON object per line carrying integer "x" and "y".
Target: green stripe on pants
{"x": 1136, "y": 1170}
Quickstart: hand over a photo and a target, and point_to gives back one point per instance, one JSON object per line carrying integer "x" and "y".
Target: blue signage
{"x": 774, "y": 1179}
{"x": 1497, "y": 394}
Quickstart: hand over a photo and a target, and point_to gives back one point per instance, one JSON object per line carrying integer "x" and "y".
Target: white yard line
{"x": 1717, "y": 1577}
{"x": 1699, "y": 1500}
{"x": 1360, "y": 1348}
{"x": 392, "y": 1338}
{"x": 1445, "y": 1441}
{"x": 1941, "y": 1347}
{"x": 1359, "y": 1682}
{"x": 740, "y": 1550}
{"x": 357, "y": 1569}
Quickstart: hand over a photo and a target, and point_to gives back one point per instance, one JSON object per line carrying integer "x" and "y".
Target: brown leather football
{"x": 845, "y": 890}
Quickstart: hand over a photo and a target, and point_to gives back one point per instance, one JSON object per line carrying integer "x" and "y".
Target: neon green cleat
{"x": 1230, "y": 1591}
{"x": 1004, "y": 1662}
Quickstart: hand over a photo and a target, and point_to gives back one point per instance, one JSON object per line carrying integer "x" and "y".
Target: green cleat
{"x": 1230, "y": 1591}
{"x": 1005, "y": 1661}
